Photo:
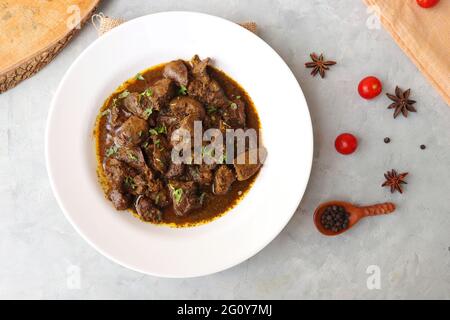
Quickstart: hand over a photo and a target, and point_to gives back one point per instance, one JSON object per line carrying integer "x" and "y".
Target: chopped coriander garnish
{"x": 148, "y": 112}
{"x": 148, "y": 92}
{"x": 238, "y": 97}
{"x": 124, "y": 94}
{"x": 182, "y": 91}
{"x": 157, "y": 198}
{"x": 211, "y": 109}
{"x": 233, "y": 106}
{"x": 207, "y": 151}
{"x": 106, "y": 112}
{"x": 158, "y": 144}
{"x": 111, "y": 150}
{"x": 153, "y": 132}
{"x": 145, "y": 144}
{"x": 114, "y": 104}
{"x": 132, "y": 156}
{"x": 223, "y": 159}
{"x": 161, "y": 128}
{"x": 129, "y": 182}
{"x": 140, "y": 133}
{"x": 177, "y": 194}
{"x": 139, "y": 76}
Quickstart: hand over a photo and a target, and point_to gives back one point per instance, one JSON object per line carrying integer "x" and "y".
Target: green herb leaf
{"x": 177, "y": 194}
{"x": 111, "y": 150}
{"x": 145, "y": 144}
{"x": 105, "y": 112}
{"x": 148, "y": 92}
{"x": 132, "y": 156}
{"x": 233, "y": 106}
{"x": 124, "y": 94}
{"x": 208, "y": 151}
{"x": 182, "y": 91}
{"x": 153, "y": 132}
{"x": 211, "y": 109}
{"x": 148, "y": 112}
{"x": 157, "y": 143}
{"x": 238, "y": 97}
{"x": 223, "y": 159}
{"x": 161, "y": 128}
{"x": 157, "y": 198}
{"x": 129, "y": 182}
{"x": 139, "y": 76}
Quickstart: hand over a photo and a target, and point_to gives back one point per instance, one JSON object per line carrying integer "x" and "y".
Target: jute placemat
{"x": 103, "y": 23}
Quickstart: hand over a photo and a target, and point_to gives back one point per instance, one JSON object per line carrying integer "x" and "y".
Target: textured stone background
{"x": 41, "y": 254}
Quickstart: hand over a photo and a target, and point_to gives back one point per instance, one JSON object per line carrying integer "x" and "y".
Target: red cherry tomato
{"x": 427, "y": 3}
{"x": 370, "y": 87}
{"x": 346, "y": 143}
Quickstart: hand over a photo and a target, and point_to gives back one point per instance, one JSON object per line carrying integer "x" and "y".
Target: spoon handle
{"x": 378, "y": 209}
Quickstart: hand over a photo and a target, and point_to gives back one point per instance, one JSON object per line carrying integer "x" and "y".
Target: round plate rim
{"x": 275, "y": 233}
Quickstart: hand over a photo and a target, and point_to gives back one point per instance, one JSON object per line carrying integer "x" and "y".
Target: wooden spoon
{"x": 356, "y": 213}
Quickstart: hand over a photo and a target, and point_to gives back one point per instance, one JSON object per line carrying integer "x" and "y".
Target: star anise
{"x": 401, "y": 104}
{"x": 319, "y": 65}
{"x": 394, "y": 180}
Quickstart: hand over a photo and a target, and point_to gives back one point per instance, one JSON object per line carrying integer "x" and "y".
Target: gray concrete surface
{"x": 41, "y": 255}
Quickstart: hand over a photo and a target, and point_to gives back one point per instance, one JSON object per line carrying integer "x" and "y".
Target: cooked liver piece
{"x": 185, "y": 111}
{"x": 175, "y": 170}
{"x": 146, "y": 210}
{"x": 223, "y": 179}
{"x": 159, "y": 153}
{"x": 138, "y": 105}
{"x": 234, "y": 114}
{"x": 133, "y": 157}
{"x": 177, "y": 71}
{"x": 247, "y": 170}
{"x": 202, "y": 174}
{"x": 116, "y": 172}
{"x": 185, "y": 196}
{"x": 120, "y": 200}
{"x": 161, "y": 92}
{"x": 132, "y": 132}
{"x": 205, "y": 88}
{"x": 183, "y": 106}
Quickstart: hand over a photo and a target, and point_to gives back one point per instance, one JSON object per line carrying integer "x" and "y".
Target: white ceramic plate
{"x": 159, "y": 250}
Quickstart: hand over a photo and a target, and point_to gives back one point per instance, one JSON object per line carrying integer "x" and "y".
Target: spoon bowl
{"x": 356, "y": 213}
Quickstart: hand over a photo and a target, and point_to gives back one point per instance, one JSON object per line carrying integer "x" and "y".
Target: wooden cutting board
{"x": 33, "y": 32}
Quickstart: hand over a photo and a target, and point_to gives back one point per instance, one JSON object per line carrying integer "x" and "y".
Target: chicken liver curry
{"x": 133, "y": 143}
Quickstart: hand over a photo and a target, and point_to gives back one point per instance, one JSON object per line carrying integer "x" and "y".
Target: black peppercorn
{"x": 423, "y": 147}
{"x": 387, "y": 140}
{"x": 335, "y": 218}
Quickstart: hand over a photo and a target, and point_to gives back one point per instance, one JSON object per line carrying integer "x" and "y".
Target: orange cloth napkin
{"x": 424, "y": 35}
